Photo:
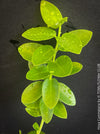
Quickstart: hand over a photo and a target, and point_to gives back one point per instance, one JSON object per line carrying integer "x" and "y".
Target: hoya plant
{"x": 45, "y": 96}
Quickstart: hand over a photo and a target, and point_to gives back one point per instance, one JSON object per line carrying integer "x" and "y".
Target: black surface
{"x": 15, "y": 17}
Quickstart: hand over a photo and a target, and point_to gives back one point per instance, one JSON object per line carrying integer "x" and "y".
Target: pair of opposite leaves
{"x": 53, "y": 94}
{"x": 70, "y": 42}
{"x": 63, "y": 66}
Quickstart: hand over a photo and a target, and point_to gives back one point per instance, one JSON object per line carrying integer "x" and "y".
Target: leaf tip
{"x": 23, "y": 34}
{"x": 81, "y": 66}
{"x": 66, "y": 116}
{"x": 27, "y": 74}
{"x": 74, "y": 102}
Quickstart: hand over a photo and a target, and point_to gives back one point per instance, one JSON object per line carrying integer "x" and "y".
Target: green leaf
{"x": 39, "y": 34}
{"x": 50, "y": 92}
{"x": 62, "y": 67}
{"x": 51, "y": 14}
{"x": 36, "y": 126}
{"x": 84, "y": 35}
{"x": 32, "y": 92}
{"x": 26, "y": 50}
{"x": 46, "y": 113}
{"x": 33, "y": 105}
{"x": 42, "y": 54}
{"x": 77, "y": 67}
{"x": 69, "y": 43}
{"x": 60, "y": 110}
{"x": 66, "y": 95}
{"x": 33, "y": 112}
{"x": 37, "y": 73}
{"x": 30, "y": 65}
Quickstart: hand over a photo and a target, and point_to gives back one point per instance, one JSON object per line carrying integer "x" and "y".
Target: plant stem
{"x": 54, "y": 57}
{"x": 56, "y": 49}
{"x": 41, "y": 126}
{"x": 50, "y": 76}
{"x": 59, "y": 31}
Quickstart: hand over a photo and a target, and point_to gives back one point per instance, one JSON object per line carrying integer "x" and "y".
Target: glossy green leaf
{"x": 84, "y": 35}
{"x": 33, "y": 112}
{"x": 51, "y": 14}
{"x": 50, "y": 92}
{"x": 39, "y": 34}
{"x": 32, "y": 93}
{"x": 77, "y": 67}
{"x": 37, "y": 73}
{"x": 61, "y": 67}
{"x": 36, "y": 126}
{"x": 30, "y": 65}
{"x": 66, "y": 95}
{"x": 34, "y": 104}
{"x": 42, "y": 55}
{"x": 46, "y": 113}
{"x": 26, "y": 50}
{"x": 60, "y": 110}
{"x": 70, "y": 43}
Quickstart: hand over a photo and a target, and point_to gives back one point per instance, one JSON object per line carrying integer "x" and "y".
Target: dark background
{"x": 15, "y": 17}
